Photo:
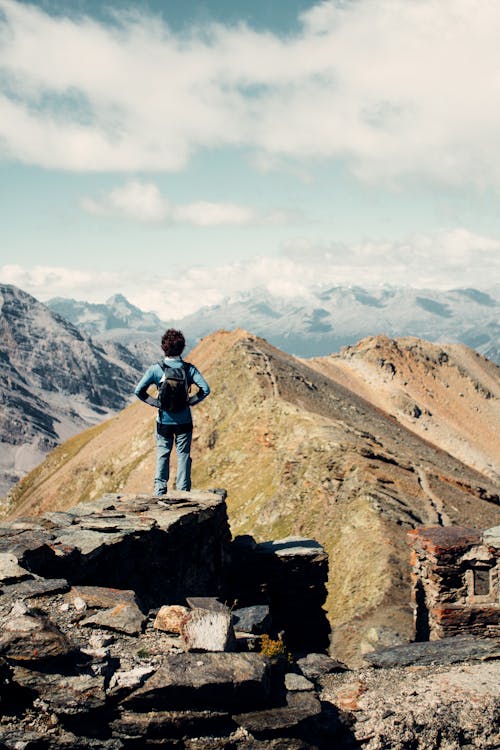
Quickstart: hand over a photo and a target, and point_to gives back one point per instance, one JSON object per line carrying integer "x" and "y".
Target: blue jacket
{"x": 153, "y": 375}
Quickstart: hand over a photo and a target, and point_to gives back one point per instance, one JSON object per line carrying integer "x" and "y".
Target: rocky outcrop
{"x": 113, "y": 636}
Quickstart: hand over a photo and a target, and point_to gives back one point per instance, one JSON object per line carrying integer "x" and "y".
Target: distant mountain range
{"x": 56, "y": 381}
{"x": 316, "y": 325}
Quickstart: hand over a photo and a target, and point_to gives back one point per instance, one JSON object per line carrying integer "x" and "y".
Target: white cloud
{"x": 393, "y": 87}
{"x": 444, "y": 260}
{"x": 143, "y": 201}
{"x": 136, "y": 200}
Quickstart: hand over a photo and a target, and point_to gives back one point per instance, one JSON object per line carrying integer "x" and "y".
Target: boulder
{"x": 65, "y": 694}
{"x": 32, "y": 637}
{"x": 170, "y": 618}
{"x": 314, "y": 666}
{"x": 38, "y": 587}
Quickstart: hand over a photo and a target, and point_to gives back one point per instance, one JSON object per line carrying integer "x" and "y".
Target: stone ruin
{"x": 455, "y": 582}
{"x": 125, "y": 623}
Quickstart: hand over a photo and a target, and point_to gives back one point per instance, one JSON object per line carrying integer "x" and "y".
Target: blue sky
{"x": 183, "y": 152}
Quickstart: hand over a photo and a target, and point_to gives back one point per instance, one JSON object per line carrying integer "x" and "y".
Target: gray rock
{"x": 32, "y": 638}
{"x": 65, "y": 694}
{"x": 10, "y": 570}
{"x": 445, "y": 651}
{"x": 124, "y": 618}
{"x": 273, "y": 721}
{"x": 295, "y": 682}
{"x": 169, "y": 724}
{"x": 314, "y": 666}
{"x": 256, "y": 619}
{"x": 38, "y": 587}
{"x": 209, "y": 680}
{"x": 292, "y": 546}
{"x": 206, "y": 602}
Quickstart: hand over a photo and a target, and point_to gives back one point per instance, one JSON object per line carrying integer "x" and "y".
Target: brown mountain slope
{"x": 449, "y": 394}
{"x": 299, "y": 453}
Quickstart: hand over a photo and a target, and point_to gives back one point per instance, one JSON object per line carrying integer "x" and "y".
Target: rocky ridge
{"x": 448, "y": 395}
{"x": 300, "y": 453}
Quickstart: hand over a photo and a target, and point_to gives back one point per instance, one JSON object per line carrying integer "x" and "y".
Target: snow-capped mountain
{"x": 115, "y": 320}
{"x": 316, "y": 325}
{"x": 56, "y": 381}
{"x": 331, "y": 318}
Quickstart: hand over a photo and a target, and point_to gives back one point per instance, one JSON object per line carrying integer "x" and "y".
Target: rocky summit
{"x": 321, "y": 449}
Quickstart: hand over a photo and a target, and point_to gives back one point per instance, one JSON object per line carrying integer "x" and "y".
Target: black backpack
{"x": 173, "y": 388}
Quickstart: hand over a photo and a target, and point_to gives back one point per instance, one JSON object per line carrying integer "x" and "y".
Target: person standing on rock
{"x": 174, "y": 379}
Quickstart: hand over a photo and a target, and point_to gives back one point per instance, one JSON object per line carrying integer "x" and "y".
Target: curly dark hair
{"x": 173, "y": 342}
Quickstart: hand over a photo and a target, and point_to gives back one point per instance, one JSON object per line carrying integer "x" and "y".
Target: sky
{"x": 183, "y": 152}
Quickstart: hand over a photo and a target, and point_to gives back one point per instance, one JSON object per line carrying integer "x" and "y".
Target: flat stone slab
{"x": 10, "y": 570}
{"x": 206, "y": 602}
{"x": 170, "y": 724}
{"x": 102, "y": 597}
{"x": 38, "y": 587}
{"x": 296, "y": 682}
{"x": 124, "y": 618}
{"x": 84, "y": 540}
{"x": 65, "y": 694}
{"x": 291, "y": 546}
{"x": 444, "y": 651}
{"x": 299, "y": 707}
{"x": 209, "y": 680}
